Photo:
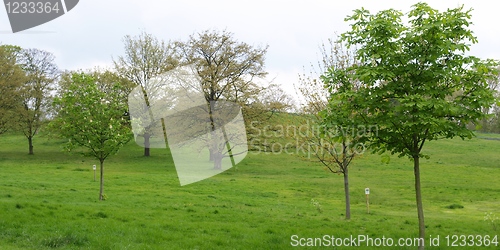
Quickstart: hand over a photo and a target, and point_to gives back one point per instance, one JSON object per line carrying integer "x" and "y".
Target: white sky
{"x": 91, "y": 34}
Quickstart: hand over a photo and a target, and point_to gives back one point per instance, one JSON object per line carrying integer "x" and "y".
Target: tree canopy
{"x": 226, "y": 67}
{"x": 11, "y": 78}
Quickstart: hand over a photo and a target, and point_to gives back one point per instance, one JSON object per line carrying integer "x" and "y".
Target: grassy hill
{"x": 50, "y": 200}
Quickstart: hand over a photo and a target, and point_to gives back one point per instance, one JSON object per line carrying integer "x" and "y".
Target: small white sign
{"x": 367, "y": 191}
{"x": 94, "y": 167}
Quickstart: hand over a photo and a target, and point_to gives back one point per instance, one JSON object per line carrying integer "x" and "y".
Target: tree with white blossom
{"x": 93, "y": 119}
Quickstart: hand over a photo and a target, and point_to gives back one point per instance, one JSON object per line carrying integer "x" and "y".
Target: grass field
{"x": 50, "y": 200}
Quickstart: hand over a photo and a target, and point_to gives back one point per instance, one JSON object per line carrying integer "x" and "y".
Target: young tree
{"x": 35, "y": 93}
{"x": 417, "y": 84}
{"x": 145, "y": 58}
{"x": 338, "y": 142}
{"x": 335, "y": 144}
{"x": 93, "y": 119}
{"x": 11, "y": 78}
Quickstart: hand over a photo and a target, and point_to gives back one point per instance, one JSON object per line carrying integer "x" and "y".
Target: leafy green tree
{"x": 145, "y": 58}
{"x": 35, "y": 93}
{"x": 416, "y": 82}
{"x": 92, "y": 118}
{"x": 11, "y": 78}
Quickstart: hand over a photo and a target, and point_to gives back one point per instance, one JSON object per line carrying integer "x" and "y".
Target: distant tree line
{"x": 90, "y": 108}
{"x": 230, "y": 70}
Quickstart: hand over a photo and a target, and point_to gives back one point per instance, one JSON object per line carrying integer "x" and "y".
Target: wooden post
{"x": 367, "y": 193}
{"x": 94, "y": 167}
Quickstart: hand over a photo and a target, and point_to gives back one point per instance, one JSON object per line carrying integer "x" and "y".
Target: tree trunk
{"x": 344, "y": 167}
{"x": 217, "y": 160}
{"x": 211, "y": 157}
{"x": 101, "y": 188}
{"x": 213, "y": 142}
{"x": 30, "y": 143}
{"x": 164, "y": 128}
{"x": 146, "y": 144}
{"x": 347, "y": 197}
{"x": 420, "y": 208}
{"x": 485, "y": 127}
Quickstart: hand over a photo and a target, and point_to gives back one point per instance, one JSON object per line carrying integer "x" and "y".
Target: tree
{"x": 92, "y": 118}
{"x": 35, "y": 94}
{"x": 491, "y": 123}
{"x": 275, "y": 99}
{"x": 335, "y": 144}
{"x": 495, "y": 121}
{"x": 11, "y": 78}
{"x": 227, "y": 70}
{"x": 145, "y": 58}
{"x": 417, "y": 84}
{"x": 338, "y": 141}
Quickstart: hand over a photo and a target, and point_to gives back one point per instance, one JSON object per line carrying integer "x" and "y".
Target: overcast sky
{"x": 92, "y": 33}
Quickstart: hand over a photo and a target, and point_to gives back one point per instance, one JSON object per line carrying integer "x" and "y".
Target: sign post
{"x": 94, "y": 167}
{"x": 367, "y": 193}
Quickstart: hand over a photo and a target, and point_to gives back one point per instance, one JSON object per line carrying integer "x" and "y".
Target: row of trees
{"x": 227, "y": 69}
{"x": 30, "y": 78}
{"x": 90, "y": 108}
{"x": 404, "y": 85}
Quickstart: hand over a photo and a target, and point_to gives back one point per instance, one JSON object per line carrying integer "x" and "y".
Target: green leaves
{"x": 92, "y": 118}
{"x": 415, "y": 81}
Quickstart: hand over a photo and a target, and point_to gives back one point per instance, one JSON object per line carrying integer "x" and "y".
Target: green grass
{"x": 50, "y": 200}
